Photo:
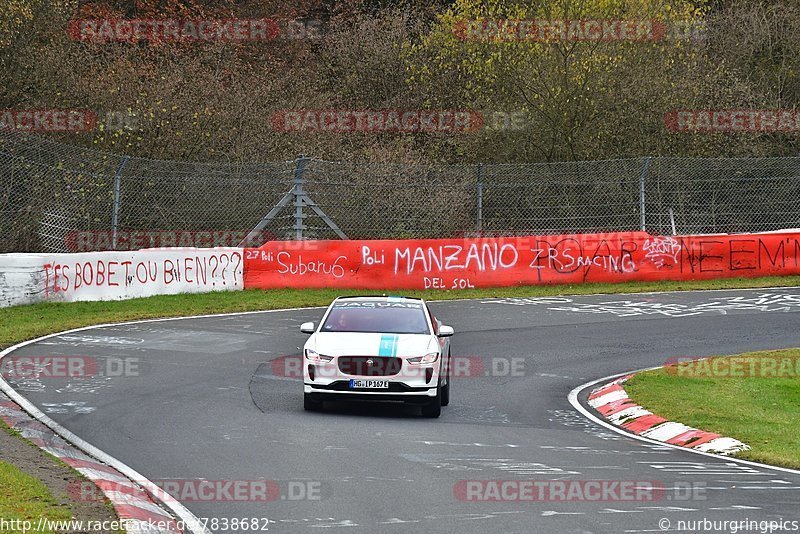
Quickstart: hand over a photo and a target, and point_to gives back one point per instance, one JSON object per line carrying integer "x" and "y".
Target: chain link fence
{"x": 60, "y": 198}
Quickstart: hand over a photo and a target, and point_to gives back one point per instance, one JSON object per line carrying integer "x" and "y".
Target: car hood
{"x": 370, "y": 344}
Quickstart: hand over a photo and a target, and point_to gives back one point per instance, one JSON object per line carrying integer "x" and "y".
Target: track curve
{"x": 205, "y": 402}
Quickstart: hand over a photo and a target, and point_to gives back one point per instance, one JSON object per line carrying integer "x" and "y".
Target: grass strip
{"x": 25, "y": 498}
{"x": 20, "y": 323}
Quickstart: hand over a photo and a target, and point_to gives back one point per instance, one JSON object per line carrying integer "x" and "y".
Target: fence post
{"x": 642, "y": 177}
{"x": 299, "y": 195}
{"x": 672, "y": 221}
{"x": 479, "y": 193}
{"x": 115, "y": 206}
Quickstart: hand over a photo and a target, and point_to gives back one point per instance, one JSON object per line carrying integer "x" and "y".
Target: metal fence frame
{"x": 50, "y": 190}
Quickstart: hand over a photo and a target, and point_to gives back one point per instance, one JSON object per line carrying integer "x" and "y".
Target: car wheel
{"x": 446, "y": 388}
{"x": 434, "y": 407}
{"x": 311, "y": 405}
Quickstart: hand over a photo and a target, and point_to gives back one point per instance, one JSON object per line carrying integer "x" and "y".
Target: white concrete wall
{"x": 30, "y": 278}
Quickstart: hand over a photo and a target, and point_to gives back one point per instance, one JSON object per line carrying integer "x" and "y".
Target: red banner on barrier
{"x": 508, "y": 261}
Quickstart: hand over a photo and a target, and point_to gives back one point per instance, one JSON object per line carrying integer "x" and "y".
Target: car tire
{"x": 434, "y": 407}
{"x": 311, "y": 405}
{"x": 446, "y": 388}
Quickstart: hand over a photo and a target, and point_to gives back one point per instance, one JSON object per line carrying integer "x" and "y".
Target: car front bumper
{"x": 397, "y": 391}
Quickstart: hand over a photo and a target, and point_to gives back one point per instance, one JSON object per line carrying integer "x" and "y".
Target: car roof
{"x": 377, "y": 298}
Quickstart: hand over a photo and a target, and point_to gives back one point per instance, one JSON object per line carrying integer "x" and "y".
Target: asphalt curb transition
{"x": 144, "y": 507}
{"x": 140, "y": 513}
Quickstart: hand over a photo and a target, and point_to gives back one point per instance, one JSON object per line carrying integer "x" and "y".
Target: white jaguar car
{"x": 377, "y": 348}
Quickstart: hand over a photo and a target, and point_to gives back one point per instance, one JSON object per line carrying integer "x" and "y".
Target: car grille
{"x": 370, "y": 365}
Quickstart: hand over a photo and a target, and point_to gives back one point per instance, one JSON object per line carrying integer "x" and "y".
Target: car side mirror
{"x": 307, "y": 328}
{"x": 446, "y": 331}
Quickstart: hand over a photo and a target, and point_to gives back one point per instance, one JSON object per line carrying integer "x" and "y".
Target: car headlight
{"x": 315, "y": 357}
{"x": 422, "y": 360}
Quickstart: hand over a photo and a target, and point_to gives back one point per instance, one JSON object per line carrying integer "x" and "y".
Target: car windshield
{"x": 377, "y": 317}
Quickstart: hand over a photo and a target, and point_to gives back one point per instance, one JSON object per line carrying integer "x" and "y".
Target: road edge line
{"x": 190, "y": 520}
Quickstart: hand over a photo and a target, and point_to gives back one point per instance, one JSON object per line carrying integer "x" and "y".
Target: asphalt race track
{"x": 205, "y": 402}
